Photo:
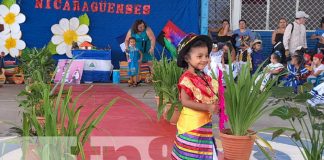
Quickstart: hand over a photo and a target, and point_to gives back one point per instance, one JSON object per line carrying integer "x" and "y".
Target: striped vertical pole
{"x": 204, "y": 17}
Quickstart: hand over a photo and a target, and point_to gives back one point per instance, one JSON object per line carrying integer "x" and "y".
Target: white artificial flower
{"x": 11, "y": 18}
{"x": 67, "y": 32}
{"x": 11, "y": 43}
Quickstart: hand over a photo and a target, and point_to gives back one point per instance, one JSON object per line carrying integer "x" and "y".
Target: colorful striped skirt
{"x": 195, "y": 144}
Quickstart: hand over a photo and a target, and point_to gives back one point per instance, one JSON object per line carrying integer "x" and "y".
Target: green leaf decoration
{"x": 84, "y": 19}
{"x": 8, "y": 3}
{"x": 51, "y": 47}
{"x": 319, "y": 126}
{"x": 296, "y": 136}
{"x": 277, "y": 133}
{"x": 282, "y": 112}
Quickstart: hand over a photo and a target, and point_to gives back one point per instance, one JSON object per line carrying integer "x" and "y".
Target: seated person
{"x": 297, "y": 73}
{"x": 256, "y": 55}
{"x": 215, "y": 61}
{"x": 308, "y": 61}
{"x": 274, "y": 68}
{"x": 228, "y": 47}
{"x": 318, "y": 95}
{"x": 317, "y": 68}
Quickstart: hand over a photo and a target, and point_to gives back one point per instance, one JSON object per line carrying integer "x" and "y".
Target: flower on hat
{"x": 11, "y": 43}
{"x": 67, "y": 32}
{"x": 11, "y": 18}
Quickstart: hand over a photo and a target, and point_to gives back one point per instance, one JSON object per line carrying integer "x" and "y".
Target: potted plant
{"x": 306, "y": 129}
{"x": 169, "y": 103}
{"x": 244, "y": 106}
{"x": 36, "y": 60}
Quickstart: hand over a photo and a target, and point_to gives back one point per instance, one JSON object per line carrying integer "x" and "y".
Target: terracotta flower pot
{"x": 175, "y": 116}
{"x": 236, "y": 147}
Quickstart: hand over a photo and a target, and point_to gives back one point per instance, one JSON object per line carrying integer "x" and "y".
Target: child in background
{"x": 228, "y": 47}
{"x": 308, "y": 62}
{"x": 256, "y": 55}
{"x": 317, "y": 68}
{"x": 201, "y": 97}
{"x": 215, "y": 62}
{"x": 297, "y": 73}
{"x": 134, "y": 57}
{"x": 274, "y": 68}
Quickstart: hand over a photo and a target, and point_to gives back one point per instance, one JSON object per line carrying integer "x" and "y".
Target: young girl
{"x": 308, "y": 61}
{"x": 228, "y": 47}
{"x": 134, "y": 57}
{"x": 256, "y": 55}
{"x": 271, "y": 69}
{"x": 201, "y": 97}
{"x": 317, "y": 68}
{"x": 215, "y": 62}
{"x": 297, "y": 73}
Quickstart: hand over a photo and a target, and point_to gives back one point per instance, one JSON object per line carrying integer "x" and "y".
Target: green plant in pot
{"x": 306, "y": 123}
{"x": 169, "y": 104}
{"x": 244, "y": 106}
{"x": 62, "y": 118}
{"x": 37, "y": 60}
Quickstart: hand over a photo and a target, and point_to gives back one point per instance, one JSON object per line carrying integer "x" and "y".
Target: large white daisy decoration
{"x": 11, "y": 18}
{"x": 67, "y": 32}
{"x": 11, "y": 43}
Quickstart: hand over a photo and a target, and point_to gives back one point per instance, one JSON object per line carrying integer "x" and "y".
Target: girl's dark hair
{"x": 282, "y": 18}
{"x": 298, "y": 58}
{"x": 136, "y": 24}
{"x": 181, "y": 61}
{"x": 225, "y": 20}
{"x": 131, "y": 39}
{"x": 276, "y": 56}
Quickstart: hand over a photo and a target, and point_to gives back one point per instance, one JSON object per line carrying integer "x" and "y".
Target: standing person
{"x": 295, "y": 34}
{"x": 319, "y": 34}
{"x": 134, "y": 57}
{"x": 277, "y": 39}
{"x": 243, "y": 36}
{"x": 145, "y": 40}
{"x": 223, "y": 34}
{"x": 257, "y": 55}
{"x": 201, "y": 97}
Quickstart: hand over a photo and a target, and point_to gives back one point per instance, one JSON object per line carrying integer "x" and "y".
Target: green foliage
{"x": 244, "y": 99}
{"x": 165, "y": 79}
{"x": 84, "y": 19}
{"x": 305, "y": 121}
{"x": 37, "y": 60}
{"x": 51, "y": 47}
{"x": 8, "y": 3}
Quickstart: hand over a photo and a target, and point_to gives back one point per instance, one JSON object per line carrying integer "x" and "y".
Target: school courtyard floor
{"x": 9, "y": 111}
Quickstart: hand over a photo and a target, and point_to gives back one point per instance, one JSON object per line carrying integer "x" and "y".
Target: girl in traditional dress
{"x": 274, "y": 68}
{"x": 201, "y": 97}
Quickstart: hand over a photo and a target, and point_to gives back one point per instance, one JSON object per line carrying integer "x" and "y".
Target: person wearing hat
{"x": 257, "y": 57}
{"x": 201, "y": 97}
{"x": 295, "y": 34}
{"x": 317, "y": 68}
{"x": 319, "y": 34}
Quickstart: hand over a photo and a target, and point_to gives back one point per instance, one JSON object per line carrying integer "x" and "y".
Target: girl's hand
{"x": 213, "y": 108}
{"x": 151, "y": 50}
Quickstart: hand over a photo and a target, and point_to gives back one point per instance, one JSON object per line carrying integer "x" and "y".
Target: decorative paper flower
{"x": 11, "y": 43}
{"x": 11, "y": 18}
{"x": 67, "y": 32}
